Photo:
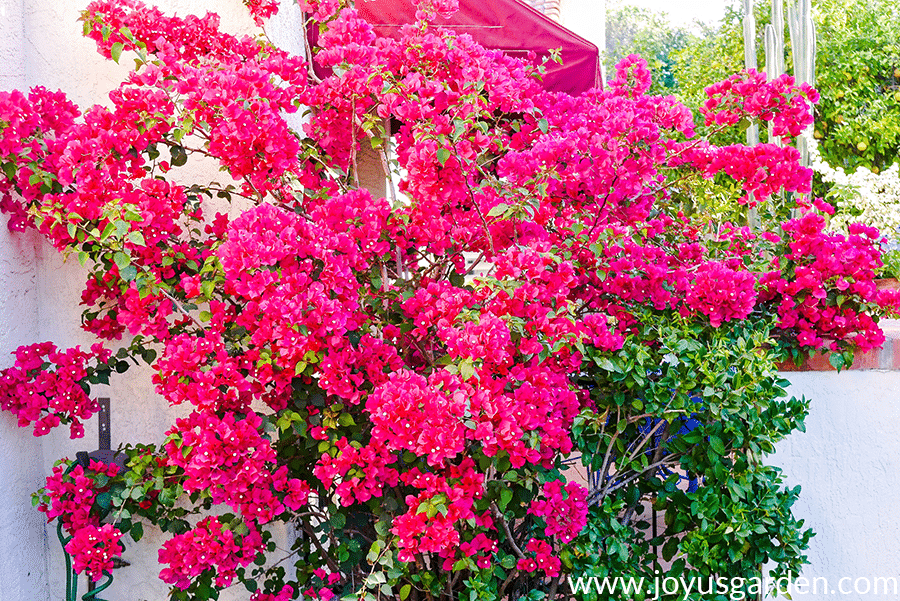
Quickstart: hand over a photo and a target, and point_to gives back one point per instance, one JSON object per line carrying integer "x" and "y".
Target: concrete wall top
{"x": 885, "y": 358}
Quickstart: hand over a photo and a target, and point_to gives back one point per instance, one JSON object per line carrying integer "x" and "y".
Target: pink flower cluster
{"x": 721, "y": 293}
{"x": 543, "y": 558}
{"x": 324, "y": 593}
{"x": 71, "y": 495}
{"x": 428, "y": 9}
{"x": 762, "y": 170}
{"x": 824, "y": 284}
{"x": 261, "y": 10}
{"x": 430, "y": 525}
{"x": 749, "y": 95}
{"x": 360, "y": 472}
{"x": 632, "y": 77}
{"x": 210, "y": 545}
{"x": 564, "y": 514}
{"x": 93, "y": 549}
{"x": 228, "y": 459}
{"x": 285, "y": 594}
{"x": 357, "y": 321}
{"x": 411, "y": 413}
{"x": 46, "y": 386}
{"x": 482, "y": 547}
{"x": 27, "y": 121}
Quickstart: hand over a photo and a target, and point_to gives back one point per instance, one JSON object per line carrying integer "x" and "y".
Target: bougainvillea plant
{"x": 414, "y": 378}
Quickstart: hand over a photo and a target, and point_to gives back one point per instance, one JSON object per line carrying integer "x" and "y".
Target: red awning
{"x": 508, "y": 25}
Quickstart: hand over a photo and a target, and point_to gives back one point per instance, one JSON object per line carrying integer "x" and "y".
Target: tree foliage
{"x": 857, "y": 75}
{"x": 637, "y": 30}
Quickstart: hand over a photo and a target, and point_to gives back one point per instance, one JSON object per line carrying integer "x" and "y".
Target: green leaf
{"x": 404, "y": 591}
{"x": 457, "y": 279}
{"x": 116, "y": 51}
{"x": 442, "y": 155}
{"x": 338, "y": 521}
{"x": 466, "y": 369}
{"x": 137, "y": 531}
{"x": 498, "y": 210}
{"x": 374, "y": 552}
{"x": 128, "y": 273}
{"x": 717, "y": 445}
{"x": 837, "y": 361}
{"x": 137, "y": 238}
{"x": 121, "y": 259}
{"x": 382, "y": 527}
{"x": 670, "y": 548}
{"x": 543, "y": 125}
{"x": 179, "y": 156}
{"x": 104, "y": 500}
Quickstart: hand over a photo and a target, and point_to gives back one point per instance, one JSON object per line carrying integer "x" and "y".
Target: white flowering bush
{"x": 862, "y": 196}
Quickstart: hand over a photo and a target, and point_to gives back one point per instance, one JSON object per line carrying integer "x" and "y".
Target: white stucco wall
{"x": 23, "y": 545}
{"x": 848, "y": 464}
{"x": 41, "y": 44}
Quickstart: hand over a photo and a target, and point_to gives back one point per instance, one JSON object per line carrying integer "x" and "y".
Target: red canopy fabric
{"x": 508, "y": 25}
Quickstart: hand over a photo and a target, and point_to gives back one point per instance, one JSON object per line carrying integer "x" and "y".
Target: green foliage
{"x": 670, "y": 375}
{"x": 713, "y": 55}
{"x": 716, "y": 53}
{"x": 636, "y": 30}
{"x": 858, "y": 76}
{"x": 891, "y": 266}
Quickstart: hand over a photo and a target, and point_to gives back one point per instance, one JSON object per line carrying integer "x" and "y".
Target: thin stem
{"x": 628, "y": 480}
{"x": 512, "y": 543}
{"x": 312, "y": 536}
{"x": 554, "y": 585}
{"x": 484, "y": 224}
{"x": 644, "y": 441}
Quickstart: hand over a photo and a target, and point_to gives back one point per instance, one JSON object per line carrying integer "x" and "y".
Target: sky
{"x": 683, "y": 12}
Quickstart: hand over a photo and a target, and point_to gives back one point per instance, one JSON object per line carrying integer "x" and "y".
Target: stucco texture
{"x": 847, "y": 464}
{"x": 41, "y": 45}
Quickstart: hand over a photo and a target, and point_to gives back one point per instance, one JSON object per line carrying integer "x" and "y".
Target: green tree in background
{"x": 684, "y": 61}
{"x": 718, "y": 49}
{"x": 636, "y": 30}
{"x": 857, "y": 74}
